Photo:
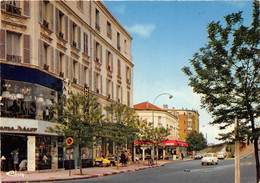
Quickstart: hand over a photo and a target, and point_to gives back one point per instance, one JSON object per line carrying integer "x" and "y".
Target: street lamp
{"x": 170, "y": 96}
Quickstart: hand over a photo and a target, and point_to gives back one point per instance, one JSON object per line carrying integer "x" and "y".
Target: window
{"x": 97, "y": 20}
{"x": 189, "y": 123}
{"x": 189, "y": 115}
{"x": 159, "y": 121}
{"x": 61, "y": 64}
{"x": 60, "y": 24}
{"x": 128, "y": 75}
{"x": 75, "y": 35}
{"x": 85, "y": 43}
{"x": 74, "y": 70}
{"x": 86, "y": 75}
{"x": 45, "y": 13}
{"x": 97, "y": 52}
{"x": 45, "y": 56}
{"x": 128, "y": 98}
{"x": 13, "y": 47}
{"x": 119, "y": 94}
{"x": 118, "y": 41}
{"x": 109, "y": 61}
{"x": 109, "y": 89}
{"x": 118, "y": 68}
{"x": 109, "y": 30}
{"x": 125, "y": 46}
{"x": 80, "y": 4}
{"x": 97, "y": 83}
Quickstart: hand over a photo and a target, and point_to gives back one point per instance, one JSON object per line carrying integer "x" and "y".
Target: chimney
{"x": 165, "y": 107}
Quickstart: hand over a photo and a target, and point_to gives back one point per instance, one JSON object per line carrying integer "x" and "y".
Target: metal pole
{"x": 237, "y": 158}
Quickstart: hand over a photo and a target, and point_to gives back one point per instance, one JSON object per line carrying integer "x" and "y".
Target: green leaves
{"x": 196, "y": 141}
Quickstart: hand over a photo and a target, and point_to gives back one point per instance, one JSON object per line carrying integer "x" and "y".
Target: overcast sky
{"x": 165, "y": 36}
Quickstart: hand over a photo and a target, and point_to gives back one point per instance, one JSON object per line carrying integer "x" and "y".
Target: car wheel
{"x": 202, "y": 164}
{"x": 216, "y": 163}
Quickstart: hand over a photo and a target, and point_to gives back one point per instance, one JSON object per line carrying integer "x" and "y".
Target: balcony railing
{"x": 75, "y": 80}
{"x": 14, "y": 58}
{"x": 46, "y": 67}
{"x": 13, "y": 9}
{"x": 61, "y": 35}
{"x": 45, "y": 24}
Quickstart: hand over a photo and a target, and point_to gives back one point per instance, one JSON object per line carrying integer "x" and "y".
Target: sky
{"x": 166, "y": 34}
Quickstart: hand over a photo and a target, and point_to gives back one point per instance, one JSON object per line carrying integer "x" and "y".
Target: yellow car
{"x": 102, "y": 162}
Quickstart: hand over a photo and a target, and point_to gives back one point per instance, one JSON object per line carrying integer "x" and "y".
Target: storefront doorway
{"x": 8, "y": 144}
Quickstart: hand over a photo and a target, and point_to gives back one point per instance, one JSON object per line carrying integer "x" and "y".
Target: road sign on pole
{"x": 69, "y": 141}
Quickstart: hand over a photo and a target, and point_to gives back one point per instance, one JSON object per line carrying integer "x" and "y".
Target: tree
{"x": 73, "y": 122}
{"x": 160, "y": 134}
{"x": 196, "y": 141}
{"x": 226, "y": 74}
{"x": 121, "y": 124}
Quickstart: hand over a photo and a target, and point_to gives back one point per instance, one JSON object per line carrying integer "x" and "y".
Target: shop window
{"x": 43, "y": 152}
{"x": 26, "y": 100}
{"x": 13, "y": 47}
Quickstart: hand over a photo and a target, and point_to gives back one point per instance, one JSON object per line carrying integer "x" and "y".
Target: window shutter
{"x": 112, "y": 90}
{"x": 2, "y": 44}
{"x": 40, "y": 11}
{"x": 71, "y": 33}
{"x": 111, "y": 62}
{"x": 26, "y": 8}
{"x": 79, "y": 38}
{"x": 130, "y": 78}
{"x": 95, "y": 50}
{"x": 66, "y": 27}
{"x": 95, "y": 81}
{"x": 83, "y": 76}
{"x": 57, "y": 23}
{"x": 101, "y": 54}
{"x": 26, "y": 49}
{"x": 57, "y": 59}
{"x": 101, "y": 85}
{"x": 107, "y": 58}
{"x": 121, "y": 95}
{"x": 86, "y": 43}
{"x": 52, "y": 17}
{"x": 71, "y": 69}
{"x": 52, "y": 59}
{"x": 79, "y": 71}
{"x": 67, "y": 67}
{"x": 40, "y": 61}
{"x": 90, "y": 79}
{"x": 3, "y": 5}
{"x": 107, "y": 90}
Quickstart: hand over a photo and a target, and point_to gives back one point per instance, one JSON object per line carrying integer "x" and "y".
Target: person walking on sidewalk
{"x": 123, "y": 159}
{"x": 15, "y": 154}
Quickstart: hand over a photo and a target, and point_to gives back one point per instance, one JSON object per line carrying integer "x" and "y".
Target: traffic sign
{"x": 69, "y": 141}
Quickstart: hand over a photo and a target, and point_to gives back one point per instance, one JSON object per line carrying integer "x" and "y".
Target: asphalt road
{"x": 186, "y": 172}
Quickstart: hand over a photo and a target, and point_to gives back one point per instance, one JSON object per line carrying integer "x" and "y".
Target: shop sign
{"x": 19, "y": 128}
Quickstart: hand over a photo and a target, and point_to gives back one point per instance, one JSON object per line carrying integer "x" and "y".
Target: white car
{"x": 198, "y": 156}
{"x": 221, "y": 155}
{"x": 209, "y": 158}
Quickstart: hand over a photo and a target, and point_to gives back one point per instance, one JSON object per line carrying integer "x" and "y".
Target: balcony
{"x": 61, "y": 35}
{"x": 62, "y": 74}
{"x": 97, "y": 90}
{"x": 75, "y": 80}
{"x": 14, "y": 58}
{"x": 46, "y": 24}
{"x": 46, "y": 67}
{"x": 13, "y": 9}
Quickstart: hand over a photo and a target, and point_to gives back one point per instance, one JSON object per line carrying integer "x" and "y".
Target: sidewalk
{"x": 61, "y": 174}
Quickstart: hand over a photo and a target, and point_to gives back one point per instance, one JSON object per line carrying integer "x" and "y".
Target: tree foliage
{"x": 121, "y": 124}
{"x": 196, "y": 141}
{"x": 72, "y": 121}
{"x": 226, "y": 74}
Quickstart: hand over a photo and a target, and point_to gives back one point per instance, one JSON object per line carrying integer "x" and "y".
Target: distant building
{"x": 188, "y": 121}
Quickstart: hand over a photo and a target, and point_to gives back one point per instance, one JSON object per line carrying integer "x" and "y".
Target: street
{"x": 186, "y": 172}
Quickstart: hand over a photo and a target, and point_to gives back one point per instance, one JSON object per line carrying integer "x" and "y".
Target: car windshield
{"x": 209, "y": 155}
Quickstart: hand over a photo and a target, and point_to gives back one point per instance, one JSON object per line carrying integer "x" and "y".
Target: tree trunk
{"x": 257, "y": 161}
{"x": 80, "y": 161}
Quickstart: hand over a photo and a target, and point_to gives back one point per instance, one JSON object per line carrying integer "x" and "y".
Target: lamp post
{"x": 170, "y": 96}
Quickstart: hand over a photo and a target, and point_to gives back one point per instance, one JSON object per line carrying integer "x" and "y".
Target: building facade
{"x": 48, "y": 49}
{"x": 188, "y": 121}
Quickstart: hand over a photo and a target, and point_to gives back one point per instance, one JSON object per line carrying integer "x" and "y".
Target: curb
{"x": 82, "y": 177}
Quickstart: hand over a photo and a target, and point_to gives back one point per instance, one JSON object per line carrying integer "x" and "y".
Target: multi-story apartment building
{"x": 188, "y": 121}
{"x": 162, "y": 118}
{"x": 49, "y": 48}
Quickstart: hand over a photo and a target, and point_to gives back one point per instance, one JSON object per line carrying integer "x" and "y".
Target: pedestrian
{"x": 23, "y": 165}
{"x": 126, "y": 158}
{"x": 182, "y": 156}
{"x": 15, "y": 155}
{"x": 123, "y": 159}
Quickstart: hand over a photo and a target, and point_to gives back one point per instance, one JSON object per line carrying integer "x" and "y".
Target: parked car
{"x": 209, "y": 158}
{"x": 221, "y": 155}
{"x": 102, "y": 162}
{"x": 198, "y": 156}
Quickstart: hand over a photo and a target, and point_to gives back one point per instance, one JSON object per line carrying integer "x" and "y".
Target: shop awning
{"x": 137, "y": 142}
{"x": 170, "y": 142}
{"x": 183, "y": 144}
